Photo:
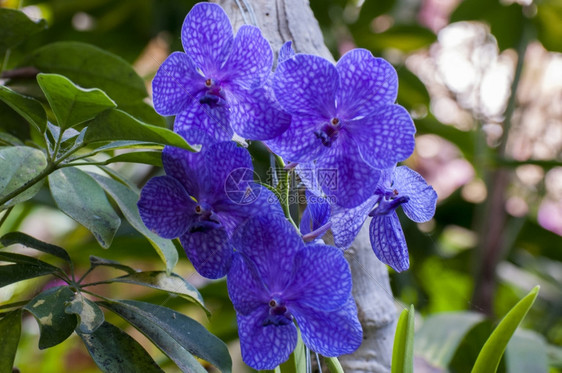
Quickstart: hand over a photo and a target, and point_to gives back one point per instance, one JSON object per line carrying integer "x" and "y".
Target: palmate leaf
{"x": 172, "y": 283}
{"x": 117, "y": 125}
{"x": 81, "y": 198}
{"x": 26, "y": 240}
{"x": 16, "y": 27}
{"x": 90, "y": 316}
{"x": 29, "y": 108}
{"x": 113, "y": 351}
{"x": 96, "y": 261}
{"x": 174, "y": 333}
{"x": 126, "y": 199}
{"x": 48, "y": 308}
{"x": 72, "y": 104}
{"x": 10, "y": 325}
{"x": 19, "y": 165}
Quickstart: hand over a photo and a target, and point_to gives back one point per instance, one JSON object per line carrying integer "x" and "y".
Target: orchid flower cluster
{"x": 311, "y": 113}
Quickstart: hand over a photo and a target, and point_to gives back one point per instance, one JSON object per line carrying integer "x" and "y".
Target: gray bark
{"x": 281, "y": 21}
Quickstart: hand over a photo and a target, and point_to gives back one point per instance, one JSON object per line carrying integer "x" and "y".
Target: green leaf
{"x": 491, "y": 354}
{"x": 297, "y": 360}
{"x": 441, "y": 334}
{"x": 23, "y": 239}
{"x": 526, "y": 352}
{"x": 90, "y": 316}
{"x": 406, "y": 38}
{"x": 334, "y": 365}
{"x": 403, "y": 350}
{"x": 29, "y": 108}
{"x": 172, "y": 283}
{"x": 161, "y": 325}
{"x": 16, "y": 27}
{"x": 81, "y": 198}
{"x": 12, "y": 273}
{"x": 114, "y": 351}
{"x": 91, "y": 67}
{"x": 72, "y": 104}
{"x": 127, "y": 200}
{"x": 96, "y": 261}
{"x": 48, "y": 309}
{"x": 19, "y": 165}
{"x": 117, "y": 125}
{"x": 549, "y": 24}
{"x": 68, "y": 134}
{"x": 10, "y": 325}
{"x": 150, "y": 157}
{"x": 143, "y": 112}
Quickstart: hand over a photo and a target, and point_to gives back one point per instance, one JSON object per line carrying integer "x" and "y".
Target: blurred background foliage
{"x": 483, "y": 81}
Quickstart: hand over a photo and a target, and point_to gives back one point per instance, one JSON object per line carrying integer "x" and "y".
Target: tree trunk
{"x": 281, "y": 21}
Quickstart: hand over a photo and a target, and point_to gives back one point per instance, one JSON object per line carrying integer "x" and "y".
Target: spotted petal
{"x": 256, "y": 115}
{"x": 286, "y": 52}
{"x": 213, "y": 121}
{"x": 250, "y": 61}
{"x": 316, "y": 214}
{"x": 207, "y": 37}
{"x": 237, "y": 207}
{"x": 347, "y": 222}
{"x": 421, "y": 206}
{"x": 322, "y": 279}
{"x": 264, "y": 347}
{"x": 229, "y": 168}
{"x": 209, "y": 251}
{"x": 385, "y": 137}
{"x": 176, "y": 84}
{"x": 307, "y": 85}
{"x": 271, "y": 242}
{"x": 388, "y": 241}
{"x": 299, "y": 143}
{"x": 344, "y": 178}
{"x": 165, "y": 207}
{"x": 245, "y": 288}
{"x": 366, "y": 83}
{"x": 330, "y": 333}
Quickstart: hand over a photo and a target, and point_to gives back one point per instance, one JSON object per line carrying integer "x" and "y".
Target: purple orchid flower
{"x": 399, "y": 187}
{"x": 202, "y": 199}
{"x": 344, "y": 117}
{"x": 315, "y": 220}
{"x": 219, "y": 85}
{"x": 276, "y": 279}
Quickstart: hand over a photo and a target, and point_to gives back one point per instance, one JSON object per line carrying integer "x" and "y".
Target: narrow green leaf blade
{"x": 297, "y": 360}
{"x": 403, "y": 350}
{"x": 188, "y": 333}
{"x": 489, "y": 357}
{"x": 16, "y": 27}
{"x": 90, "y": 316}
{"x": 81, "y": 198}
{"x": 162, "y": 281}
{"x": 117, "y": 125}
{"x": 19, "y": 165}
{"x": 10, "y": 325}
{"x": 72, "y": 104}
{"x": 12, "y": 273}
{"x": 97, "y": 261}
{"x": 127, "y": 200}
{"x": 113, "y": 350}
{"x": 91, "y": 67}
{"x": 29, "y": 108}
{"x": 26, "y": 240}
{"x": 334, "y": 365}
{"x": 48, "y": 309}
